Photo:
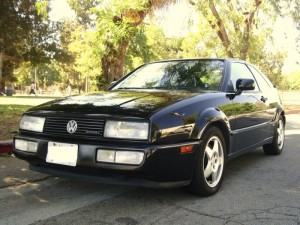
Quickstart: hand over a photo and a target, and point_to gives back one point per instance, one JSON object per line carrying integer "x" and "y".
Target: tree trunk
{"x": 1, "y": 69}
{"x": 222, "y": 33}
{"x": 248, "y": 29}
{"x": 113, "y": 62}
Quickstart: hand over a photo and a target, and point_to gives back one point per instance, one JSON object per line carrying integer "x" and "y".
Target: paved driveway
{"x": 257, "y": 189}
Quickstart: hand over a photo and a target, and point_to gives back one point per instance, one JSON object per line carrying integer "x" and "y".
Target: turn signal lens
{"x": 186, "y": 149}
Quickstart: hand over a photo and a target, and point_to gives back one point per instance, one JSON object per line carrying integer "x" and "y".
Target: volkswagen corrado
{"x": 166, "y": 124}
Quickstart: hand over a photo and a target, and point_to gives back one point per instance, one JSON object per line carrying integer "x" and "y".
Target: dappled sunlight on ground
{"x": 15, "y": 172}
{"x": 18, "y": 189}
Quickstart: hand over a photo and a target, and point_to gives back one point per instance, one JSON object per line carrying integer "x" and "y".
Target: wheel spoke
{"x": 219, "y": 162}
{"x": 214, "y": 176}
{"x": 208, "y": 170}
{"x": 216, "y": 146}
{"x": 209, "y": 152}
{"x": 279, "y": 139}
{"x": 280, "y": 133}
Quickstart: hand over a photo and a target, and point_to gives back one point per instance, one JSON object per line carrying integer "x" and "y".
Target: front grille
{"x": 86, "y": 127}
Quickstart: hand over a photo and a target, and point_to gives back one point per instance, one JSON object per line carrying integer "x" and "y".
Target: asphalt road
{"x": 257, "y": 189}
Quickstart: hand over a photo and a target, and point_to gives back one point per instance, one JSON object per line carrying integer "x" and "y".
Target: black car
{"x": 166, "y": 124}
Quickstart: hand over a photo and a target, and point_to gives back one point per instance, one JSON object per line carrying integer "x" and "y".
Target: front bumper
{"x": 164, "y": 166}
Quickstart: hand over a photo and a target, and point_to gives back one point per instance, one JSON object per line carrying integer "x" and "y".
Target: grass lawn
{"x": 10, "y": 116}
{"x": 25, "y": 100}
{"x": 11, "y": 110}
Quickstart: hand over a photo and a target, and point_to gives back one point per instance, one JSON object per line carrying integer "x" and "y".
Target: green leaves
{"x": 111, "y": 37}
{"x": 42, "y": 8}
{"x": 24, "y": 35}
{"x": 239, "y": 29}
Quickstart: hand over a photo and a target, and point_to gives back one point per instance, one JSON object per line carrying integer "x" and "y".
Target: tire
{"x": 210, "y": 164}
{"x": 276, "y": 147}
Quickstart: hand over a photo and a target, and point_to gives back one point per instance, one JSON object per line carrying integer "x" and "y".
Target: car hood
{"x": 121, "y": 103}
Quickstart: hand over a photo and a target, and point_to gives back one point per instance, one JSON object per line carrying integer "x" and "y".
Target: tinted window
{"x": 240, "y": 70}
{"x": 185, "y": 74}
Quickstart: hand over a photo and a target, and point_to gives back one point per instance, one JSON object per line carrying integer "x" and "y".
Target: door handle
{"x": 263, "y": 99}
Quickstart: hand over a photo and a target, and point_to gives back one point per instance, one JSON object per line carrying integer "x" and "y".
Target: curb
{"x": 6, "y": 146}
{"x": 292, "y": 111}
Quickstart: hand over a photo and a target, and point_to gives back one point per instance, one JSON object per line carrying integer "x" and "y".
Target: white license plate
{"x": 62, "y": 153}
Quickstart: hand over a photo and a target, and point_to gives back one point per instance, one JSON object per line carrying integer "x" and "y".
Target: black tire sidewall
{"x": 273, "y": 148}
{"x": 198, "y": 184}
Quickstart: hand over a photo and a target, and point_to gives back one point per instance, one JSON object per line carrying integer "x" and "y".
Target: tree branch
{"x": 235, "y": 24}
{"x": 249, "y": 23}
{"x": 222, "y": 33}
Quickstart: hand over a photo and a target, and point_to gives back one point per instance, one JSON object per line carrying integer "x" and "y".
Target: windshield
{"x": 185, "y": 74}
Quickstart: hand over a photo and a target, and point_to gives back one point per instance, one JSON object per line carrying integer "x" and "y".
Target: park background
{"x": 84, "y": 45}
{"x": 87, "y": 44}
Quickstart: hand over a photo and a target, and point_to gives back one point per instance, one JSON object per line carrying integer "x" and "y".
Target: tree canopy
{"x": 108, "y": 38}
{"x": 25, "y": 37}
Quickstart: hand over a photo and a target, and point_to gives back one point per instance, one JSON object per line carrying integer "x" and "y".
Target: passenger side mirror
{"x": 244, "y": 85}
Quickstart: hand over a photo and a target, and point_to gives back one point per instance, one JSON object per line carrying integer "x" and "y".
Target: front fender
{"x": 207, "y": 118}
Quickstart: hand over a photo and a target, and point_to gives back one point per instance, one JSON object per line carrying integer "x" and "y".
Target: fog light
{"x": 27, "y": 146}
{"x": 106, "y": 156}
{"x": 121, "y": 157}
{"x": 129, "y": 157}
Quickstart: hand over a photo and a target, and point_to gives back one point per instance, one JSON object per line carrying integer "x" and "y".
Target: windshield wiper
{"x": 127, "y": 88}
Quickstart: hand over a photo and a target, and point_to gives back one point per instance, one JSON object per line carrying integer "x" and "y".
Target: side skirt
{"x": 250, "y": 148}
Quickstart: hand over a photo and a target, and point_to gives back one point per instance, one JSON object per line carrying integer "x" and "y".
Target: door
{"x": 251, "y": 111}
{"x": 269, "y": 95}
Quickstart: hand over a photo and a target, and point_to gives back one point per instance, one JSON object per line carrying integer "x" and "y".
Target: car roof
{"x": 204, "y": 59}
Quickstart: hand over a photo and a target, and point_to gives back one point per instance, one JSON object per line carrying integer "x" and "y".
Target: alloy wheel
{"x": 280, "y": 134}
{"x": 213, "y": 161}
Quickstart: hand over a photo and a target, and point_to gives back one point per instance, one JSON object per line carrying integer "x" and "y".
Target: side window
{"x": 240, "y": 70}
{"x": 264, "y": 85}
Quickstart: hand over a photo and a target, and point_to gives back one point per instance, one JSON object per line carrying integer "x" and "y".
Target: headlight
{"x": 126, "y": 130}
{"x": 32, "y": 123}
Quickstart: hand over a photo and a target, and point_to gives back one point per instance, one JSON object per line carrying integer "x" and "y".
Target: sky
{"x": 60, "y": 10}
{"x": 180, "y": 19}
{"x": 285, "y": 34}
